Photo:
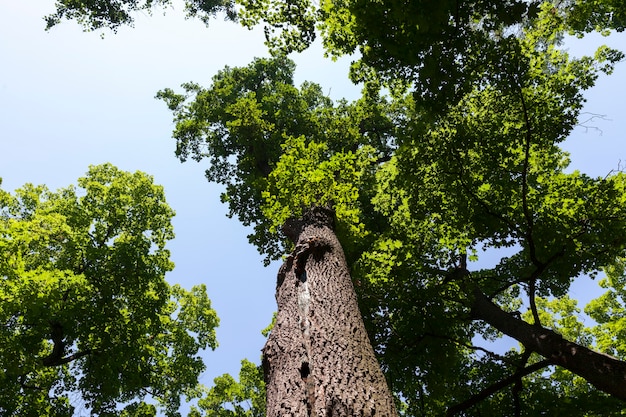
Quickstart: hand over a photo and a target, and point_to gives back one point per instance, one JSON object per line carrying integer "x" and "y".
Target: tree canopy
{"x": 454, "y": 151}
{"x": 230, "y": 398}
{"x": 86, "y": 311}
{"x": 111, "y": 14}
{"x": 276, "y": 147}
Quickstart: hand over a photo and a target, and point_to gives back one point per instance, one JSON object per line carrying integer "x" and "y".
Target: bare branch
{"x": 592, "y": 117}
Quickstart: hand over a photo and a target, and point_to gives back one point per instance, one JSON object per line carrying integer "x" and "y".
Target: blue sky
{"x": 69, "y": 99}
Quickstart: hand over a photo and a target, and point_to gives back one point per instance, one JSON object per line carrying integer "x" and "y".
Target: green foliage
{"x": 229, "y": 398}
{"x": 490, "y": 173}
{"x": 431, "y": 44}
{"x": 140, "y": 409}
{"x": 238, "y": 125}
{"x": 417, "y": 190}
{"x": 98, "y": 14}
{"x": 261, "y": 134}
{"x": 307, "y": 175}
{"x": 289, "y": 26}
{"x": 598, "y": 16}
{"x": 442, "y": 48}
{"x": 86, "y": 310}
{"x": 562, "y": 315}
{"x": 609, "y": 310}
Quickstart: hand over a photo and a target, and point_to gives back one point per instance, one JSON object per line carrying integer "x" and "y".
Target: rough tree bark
{"x": 603, "y": 371}
{"x": 318, "y": 359}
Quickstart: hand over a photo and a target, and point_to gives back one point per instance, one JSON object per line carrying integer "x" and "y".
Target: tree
{"x": 284, "y": 154}
{"x": 487, "y": 174}
{"x": 230, "y": 398}
{"x": 464, "y": 156}
{"x": 86, "y": 312}
{"x": 448, "y": 191}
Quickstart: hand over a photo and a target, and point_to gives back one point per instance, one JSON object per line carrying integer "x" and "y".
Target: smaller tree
{"x": 230, "y": 398}
{"x": 85, "y": 308}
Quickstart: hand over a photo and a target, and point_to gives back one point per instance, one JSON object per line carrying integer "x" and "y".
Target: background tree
{"x": 86, "y": 310}
{"x": 230, "y": 398}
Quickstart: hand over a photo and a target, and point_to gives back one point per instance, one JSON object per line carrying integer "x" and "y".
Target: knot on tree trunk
{"x": 316, "y": 216}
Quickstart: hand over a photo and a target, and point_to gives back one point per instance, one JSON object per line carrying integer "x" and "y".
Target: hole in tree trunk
{"x": 304, "y": 370}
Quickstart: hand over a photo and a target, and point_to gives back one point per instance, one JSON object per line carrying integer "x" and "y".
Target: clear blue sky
{"x": 69, "y": 99}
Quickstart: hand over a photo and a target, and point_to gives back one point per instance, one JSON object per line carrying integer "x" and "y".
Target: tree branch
{"x": 518, "y": 386}
{"x": 67, "y": 359}
{"x": 526, "y": 166}
{"x": 531, "y": 300}
{"x": 592, "y": 117}
{"x": 492, "y": 389}
{"x": 603, "y": 371}
{"x": 56, "y": 357}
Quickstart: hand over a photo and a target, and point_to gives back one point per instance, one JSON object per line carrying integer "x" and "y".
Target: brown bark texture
{"x": 318, "y": 359}
{"x": 603, "y": 371}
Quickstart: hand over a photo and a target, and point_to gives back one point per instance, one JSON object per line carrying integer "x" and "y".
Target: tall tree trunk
{"x": 318, "y": 359}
